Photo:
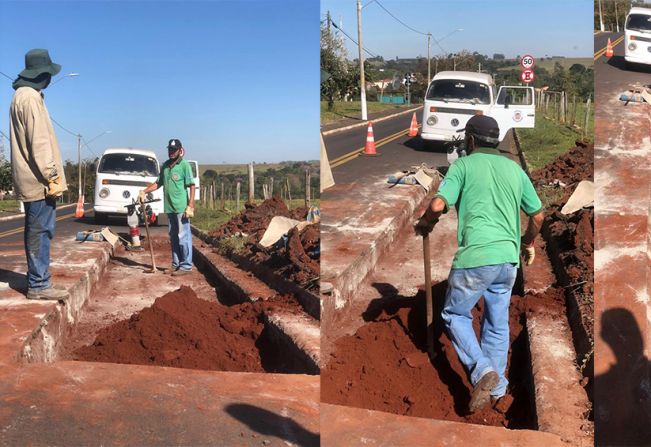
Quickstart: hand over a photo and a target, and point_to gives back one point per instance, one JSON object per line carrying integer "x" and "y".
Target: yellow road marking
{"x": 21, "y": 229}
{"x": 351, "y": 155}
{"x": 602, "y": 51}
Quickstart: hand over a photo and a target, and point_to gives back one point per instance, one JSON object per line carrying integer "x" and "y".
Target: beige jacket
{"x": 35, "y": 154}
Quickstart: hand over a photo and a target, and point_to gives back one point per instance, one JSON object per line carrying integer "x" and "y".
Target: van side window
{"x": 516, "y": 96}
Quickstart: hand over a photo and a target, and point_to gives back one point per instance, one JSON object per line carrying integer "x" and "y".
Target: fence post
{"x": 223, "y": 206}
{"x": 271, "y": 186}
{"x": 307, "y": 187}
{"x": 289, "y": 192}
{"x": 251, "y": 184}
{"x": 237, "y": 197}
{"x": 587, "y": 116}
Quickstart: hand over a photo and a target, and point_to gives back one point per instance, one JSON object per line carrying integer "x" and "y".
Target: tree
{"x": 6, "y": 179}
{"x": 333, "y": 62}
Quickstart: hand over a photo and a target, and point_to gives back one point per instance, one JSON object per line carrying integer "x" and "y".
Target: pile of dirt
{"x": 571, "y": 167}
{"x": 183, "y": 331}
{"x": 254, "y": 219}
{"x": 384, "y": 365}
{"x": 571, "y": 236}
{"x": 295, "y": 258}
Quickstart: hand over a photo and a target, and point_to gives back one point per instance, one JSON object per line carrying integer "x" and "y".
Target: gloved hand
{"x": 54, "y": 188}
{"x": 141, "y": 196}
{"x": 424, "y": 226}
{"x": 529, "y": 253}
{"x": 189, "y": 212}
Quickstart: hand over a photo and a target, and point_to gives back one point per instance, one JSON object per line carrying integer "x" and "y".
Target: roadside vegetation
{"x": 549, "y": 139}
{"x": 9, "y": 205}
{"x": 352, "y": 109}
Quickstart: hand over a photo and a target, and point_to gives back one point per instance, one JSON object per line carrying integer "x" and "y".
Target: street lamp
{"x": 79, "y": 152}
{"x": 69, "y": 75}
{"x": 429, "y": 39}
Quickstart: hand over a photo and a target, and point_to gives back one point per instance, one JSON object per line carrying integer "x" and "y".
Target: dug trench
{"x": 378, "y": 359}
{"x": 197, "y": 321}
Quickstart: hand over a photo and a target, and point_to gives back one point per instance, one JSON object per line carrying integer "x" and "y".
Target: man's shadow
{"x": 622, "y": 395}
{"x": 16, "y": 281}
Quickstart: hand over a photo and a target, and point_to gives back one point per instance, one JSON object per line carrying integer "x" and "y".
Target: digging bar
{"x": 151, "y": 247}
{"x": 428, "y": 297}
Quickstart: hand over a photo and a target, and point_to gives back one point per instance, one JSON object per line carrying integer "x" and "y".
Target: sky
{"x": 235, "y": 81}
{"x": 536, "y": 27}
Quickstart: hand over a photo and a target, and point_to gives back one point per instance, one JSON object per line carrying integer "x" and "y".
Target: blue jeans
{"x": 40, "y": 219}
{"x": 465, "y": 287}
{"x": 181, "y": 237}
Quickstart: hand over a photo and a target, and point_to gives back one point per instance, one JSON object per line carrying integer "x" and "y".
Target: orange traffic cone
{"x": 413, "y": 128}
{"x": 79, "y": 212}
{"x": 609, "y": 49}
{"x": 369, "y": 149}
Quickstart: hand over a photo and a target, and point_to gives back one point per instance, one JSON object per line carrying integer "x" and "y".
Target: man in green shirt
{"x": 176, "y": 177}
{"x": 488, "y": 191}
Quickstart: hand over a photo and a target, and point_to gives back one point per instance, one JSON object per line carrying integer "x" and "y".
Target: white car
{"x": 637, "y": 36}
{"x": 121, "y": 175}
{"x": 455, "y": 96}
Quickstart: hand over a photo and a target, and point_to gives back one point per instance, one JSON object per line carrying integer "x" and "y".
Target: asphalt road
{"x": 611, "y": 74}
{"x": 396, "y": 150}
{"x": 67, "y": 226}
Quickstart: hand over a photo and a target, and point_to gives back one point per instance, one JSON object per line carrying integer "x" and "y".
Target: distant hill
{"x": 260, "y": 168}
{"x": 548, "y": 63}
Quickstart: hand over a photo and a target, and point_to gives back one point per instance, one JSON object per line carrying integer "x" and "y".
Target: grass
{"x": 9, "y": 205}
{"x": 548, "y": 64}
{"x": 550, "y": 139}
{"x": 208, "y": 219}
{"x": 353, "y": 109}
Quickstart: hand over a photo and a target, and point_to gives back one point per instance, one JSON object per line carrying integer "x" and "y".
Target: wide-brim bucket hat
{"x": 37, "y": 62}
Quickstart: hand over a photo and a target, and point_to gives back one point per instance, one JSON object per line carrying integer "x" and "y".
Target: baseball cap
{"x": 174, "y": 144}
{"x": 484, "y": 128}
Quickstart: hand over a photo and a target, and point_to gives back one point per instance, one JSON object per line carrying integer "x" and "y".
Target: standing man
{"x": 176, "y": 177}
{"x": 488, "y": 191}
{"x": 37, "y": 171}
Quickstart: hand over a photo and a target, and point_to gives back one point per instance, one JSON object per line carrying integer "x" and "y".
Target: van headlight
{"x": 632, "y": 46}
{"x": 104, "y": 193}
{"x": 432, "y": 120}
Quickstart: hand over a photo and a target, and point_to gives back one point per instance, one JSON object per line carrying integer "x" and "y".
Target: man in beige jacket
{"x": 37, "y": 170}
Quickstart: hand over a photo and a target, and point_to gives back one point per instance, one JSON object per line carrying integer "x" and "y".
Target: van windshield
{"x": 131, "y": 164}
{"x": 454, "y": 90}
{"x": 639, "y": 22}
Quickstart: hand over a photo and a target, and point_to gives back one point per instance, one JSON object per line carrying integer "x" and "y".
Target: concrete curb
{"x": 22, "y": 215}
{"x": 365, "y": 123}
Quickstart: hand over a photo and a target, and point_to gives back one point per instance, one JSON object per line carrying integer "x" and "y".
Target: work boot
{"x": 481, "y": 394}
{"x": 50, "y": 293}
{"x": 181, "y": 272}
{"x": 170, "y": 270}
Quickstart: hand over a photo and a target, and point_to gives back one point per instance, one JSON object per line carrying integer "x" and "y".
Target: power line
{"x": 69, "y": 131}
{"x": 353, "y": 40}
{"x": 400, "y": 21}
{"x": 86, "y": 144}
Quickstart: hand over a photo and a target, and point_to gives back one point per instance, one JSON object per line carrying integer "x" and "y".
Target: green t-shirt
{"x": 488, "y": 190}
{"x": 175, "y": 182}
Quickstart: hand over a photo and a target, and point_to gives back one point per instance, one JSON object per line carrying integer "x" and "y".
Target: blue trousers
{"x": 40, "y": 219}
{"x": 181, "y": 237}
{"x": 465, "y": 287}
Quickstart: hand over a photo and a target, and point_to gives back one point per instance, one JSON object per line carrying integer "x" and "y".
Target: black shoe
{"x": 481, "y": 394}
{"x": 181, "y": 272}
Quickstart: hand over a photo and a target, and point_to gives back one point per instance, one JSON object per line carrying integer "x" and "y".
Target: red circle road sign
{"x": 527, "y": 61}
{"x": 527, "y": 76}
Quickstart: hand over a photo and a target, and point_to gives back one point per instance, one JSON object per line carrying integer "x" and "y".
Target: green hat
{"x": 37, "y": 62}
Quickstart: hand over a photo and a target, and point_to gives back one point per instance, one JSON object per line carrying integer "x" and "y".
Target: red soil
{"x": 298, "y": 261}
{"x": 184, "y": 331}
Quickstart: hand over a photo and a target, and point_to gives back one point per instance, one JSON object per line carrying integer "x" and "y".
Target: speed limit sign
{"x": 527, "y": 61}
{"x": 527, "y": 76}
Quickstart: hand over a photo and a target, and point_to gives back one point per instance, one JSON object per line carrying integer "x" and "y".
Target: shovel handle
{"x": 151, "y": 247}
{"x": 428, "y": 296}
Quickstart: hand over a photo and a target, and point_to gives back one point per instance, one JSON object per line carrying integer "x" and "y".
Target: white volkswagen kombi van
{"x": 637, "y": 36}
{"x": 454, "y": 96}
{"x": 121, "y": 175}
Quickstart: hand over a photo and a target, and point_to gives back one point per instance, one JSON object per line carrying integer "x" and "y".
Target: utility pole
{"x": 79, "y": 161}
{"x": 616, "y": 18}
{"x": 429, "y": 42}
{"x": 361, "y": 61}
{"x": 329, "y": 21}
